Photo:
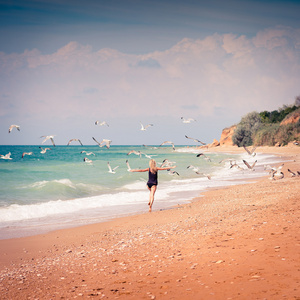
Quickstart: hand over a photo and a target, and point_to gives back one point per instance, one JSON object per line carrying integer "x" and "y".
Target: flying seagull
{"x": 248, "y": 165}
{"x": 172, "y": 172}
{"x": 44, "y": 150}
{"x": 195, "y": 169}
{"x": 26, "y": 153}
{"x": 128, "y": 166}
{"x": 88, "y": 161}
{"x": 74, "y": 140}
{"x": 87, "y": 153}
{"x": 195, "y": 140}
{"x": 48, "y": 137}
{"x": 204, "y": 156}
{"x": 104, "y": 141}
{"x": 139, "y": 153}
{"x": 6, "y": 156}
{"x": 233, "y": 164}
{"x": 143, "y": 128}
{"x": 110, "y": 170}
{"x": 188, "y": 120}
{"x": 250, "y": 152}
{"x": 166, "y": 163}
{"x": 292, "y": 173}
{"x": 101, "y": 123}
{"x": 168, "y": 142}
{"x": 11, "y": 127}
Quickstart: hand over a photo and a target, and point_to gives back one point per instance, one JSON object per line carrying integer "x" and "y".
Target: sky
{"x": 66, "y": 64}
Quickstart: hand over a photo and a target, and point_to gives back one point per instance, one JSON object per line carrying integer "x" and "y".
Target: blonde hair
{"x": 152, "y": 165}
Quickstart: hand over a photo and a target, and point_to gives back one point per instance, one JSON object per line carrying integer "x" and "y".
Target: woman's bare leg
{"x": 151, "y": 197}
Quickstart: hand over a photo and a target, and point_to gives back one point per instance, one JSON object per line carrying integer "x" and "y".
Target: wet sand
{"x": 238, "y": 242}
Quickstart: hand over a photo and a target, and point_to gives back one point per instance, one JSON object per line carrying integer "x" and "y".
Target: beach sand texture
{"x": 239, "y": 242}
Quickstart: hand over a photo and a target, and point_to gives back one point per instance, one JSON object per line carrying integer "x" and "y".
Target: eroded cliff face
{"x": 292, "y": 118}
{"x": 226, "y": 136}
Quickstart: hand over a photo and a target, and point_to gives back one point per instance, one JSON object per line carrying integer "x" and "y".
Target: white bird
{"x": 149, "y": 156}
{"x": 204, "y": 156}
{"x": 293, "y": 174}
{"x": 139, "y": 153}
{"x": 195, "y": 169}
{"x": 248, "y": 165}
{"x": 48, "y": 137}
{"x": 143, "y": 128}
{"x": 44, "y": 150}
{"x": 233, "y": 164}
{"x": 26, "y": 153}
{"x": 167, "y": 163}
{"x": 195, "y": 140}
{"x": 168, "y": 142}
{"x": 101, "y": 123}
{"x": 250, "y": 152}
{"x": 74, "y": 140}
{"x": 6, "y": 156}
{"x": 188, "y": 120}
{"x": 88, "y": 153}
{"x": 88, "y": 161}
{"x": 110, "y": 170}
{"x": 11, "y": 127}
{"x": 104, "y": 141}
{"x": 227, "y": 159}
{"x": 172, "y": 172}
{"x": 128, "y": 166}
{"x": 276, "y": 172}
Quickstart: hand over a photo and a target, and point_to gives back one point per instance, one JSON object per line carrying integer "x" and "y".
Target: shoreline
{"x": 205, "y": 248}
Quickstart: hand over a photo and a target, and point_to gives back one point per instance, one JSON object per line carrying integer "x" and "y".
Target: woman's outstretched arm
{"x": 166, "y": 168}
{"x": 139, "y": 170}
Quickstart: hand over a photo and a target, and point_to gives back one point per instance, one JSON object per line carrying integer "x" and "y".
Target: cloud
{"x": 226, "y": 72}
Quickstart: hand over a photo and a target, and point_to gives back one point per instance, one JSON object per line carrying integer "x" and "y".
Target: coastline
{"x": 237, "y": 242}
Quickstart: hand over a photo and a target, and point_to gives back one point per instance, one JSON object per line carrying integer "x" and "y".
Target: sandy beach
{"x": 238, "y": 242}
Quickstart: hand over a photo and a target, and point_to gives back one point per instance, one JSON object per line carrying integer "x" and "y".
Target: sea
{"x": 70, "y": 186}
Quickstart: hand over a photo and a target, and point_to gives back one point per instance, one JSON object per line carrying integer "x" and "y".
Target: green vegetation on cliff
{"x": 269, "y": 128}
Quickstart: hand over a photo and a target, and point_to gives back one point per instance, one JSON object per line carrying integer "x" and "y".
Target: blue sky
{"x": 66, "y": 64}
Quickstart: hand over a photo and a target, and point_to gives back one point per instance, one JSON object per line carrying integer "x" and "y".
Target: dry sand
{"x": 240, "y": 242}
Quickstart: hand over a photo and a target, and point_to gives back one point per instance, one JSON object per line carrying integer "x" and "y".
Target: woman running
{"x": 152, "y": 179}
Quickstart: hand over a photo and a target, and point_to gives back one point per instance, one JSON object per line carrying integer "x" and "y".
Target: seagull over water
{"x": 6, "y": 156}
{"x": 128, "y": 166}
{"x": 26, "y": 153}
{"x": 87, "y": 153}
{"x": 88, "y": 161}
{"x": 143, "y": 128}
{"x": 195, "y": 140}
{"x": 204, "y": 156}
{"x": 110, "y": 170}
{"x": 104, "y": 142}
{"x": 11, "y": 127}
{"x": 167, "y": 142}
{"x": 44, "y": 150}
{"x": 48, "y": 137}
{"x": 101, "y": 123}
{"x": 74, "y": 140}
{"x": 139, "y": 153}
{"x": 248, "y": 165}
{"x": 250, "y": 152}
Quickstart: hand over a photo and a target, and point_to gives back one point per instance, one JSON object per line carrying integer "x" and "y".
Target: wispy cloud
{"x": 227, "y": 73}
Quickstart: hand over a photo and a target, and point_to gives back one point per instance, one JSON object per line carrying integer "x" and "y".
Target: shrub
{"x": 246, "y": 128}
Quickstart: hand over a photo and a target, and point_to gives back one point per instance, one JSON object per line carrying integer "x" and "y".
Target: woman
{"x": 152, "y": 180}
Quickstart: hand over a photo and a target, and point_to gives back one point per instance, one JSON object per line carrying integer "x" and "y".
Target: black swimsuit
{"x": 152, "y": 179}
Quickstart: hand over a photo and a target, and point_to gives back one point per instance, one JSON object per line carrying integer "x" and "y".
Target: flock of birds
{"x": 275, "y": 172}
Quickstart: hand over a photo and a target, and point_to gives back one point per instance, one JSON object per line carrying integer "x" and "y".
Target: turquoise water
{"x": 57, "y": 189}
